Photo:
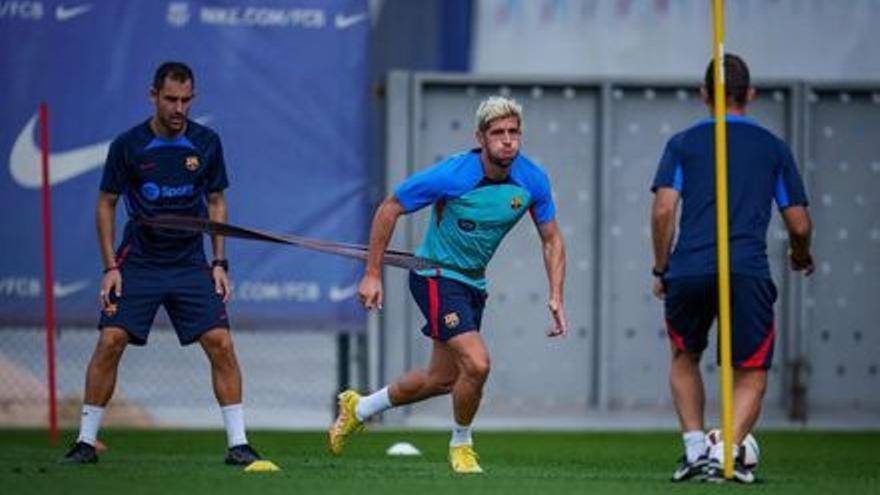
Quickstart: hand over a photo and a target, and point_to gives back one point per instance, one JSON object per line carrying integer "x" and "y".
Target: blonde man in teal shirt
{"x": 476, "y": 197}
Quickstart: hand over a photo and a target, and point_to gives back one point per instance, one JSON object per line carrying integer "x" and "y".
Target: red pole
{"x": 49, "y": 275}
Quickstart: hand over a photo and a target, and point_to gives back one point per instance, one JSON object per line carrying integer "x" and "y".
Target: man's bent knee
{"x": 683, "y": 354}
{"x": 217, "y": 340}
{"x": 112, "y": 340}
{"x": 476, "y": 367}
{"x": 219, "y": 347}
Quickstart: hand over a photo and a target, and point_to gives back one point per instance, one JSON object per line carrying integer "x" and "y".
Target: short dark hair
{"x": 736, "y": 79}
{"x": 176, "y": 71}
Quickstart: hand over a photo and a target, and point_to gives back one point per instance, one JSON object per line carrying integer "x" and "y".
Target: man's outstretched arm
{"x": 384, "y": 221}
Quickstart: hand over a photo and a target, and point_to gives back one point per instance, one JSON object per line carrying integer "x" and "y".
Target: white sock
{"x": 233, "y": 420}
{"x": 373, "y": 404}
{"x": 89, "y": 424}
{"x": 461, "y": 435}
{"x": 694, "y": 444}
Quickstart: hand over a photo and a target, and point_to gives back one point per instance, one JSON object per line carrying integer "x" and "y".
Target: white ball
{"x": 749, "y": 450}
{"x": 713, "y": 437}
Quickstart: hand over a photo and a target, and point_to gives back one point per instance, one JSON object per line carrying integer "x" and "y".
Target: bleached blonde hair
{"x": 497, "y": 107}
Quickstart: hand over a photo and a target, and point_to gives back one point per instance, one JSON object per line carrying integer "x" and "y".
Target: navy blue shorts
{"x": 451, "y": 307}
{"x": 692, "y": 307}
{"x": 188, "y": 294}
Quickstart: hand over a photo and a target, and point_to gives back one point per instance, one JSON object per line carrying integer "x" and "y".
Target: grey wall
{"x": 665, "y": 38}
{"x": 841, "y": 335}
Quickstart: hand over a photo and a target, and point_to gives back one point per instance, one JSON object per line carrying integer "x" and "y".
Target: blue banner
{"x": 284, "y": 83}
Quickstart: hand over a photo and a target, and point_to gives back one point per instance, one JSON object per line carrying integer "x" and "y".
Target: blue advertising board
{"x": 283, "y": 82}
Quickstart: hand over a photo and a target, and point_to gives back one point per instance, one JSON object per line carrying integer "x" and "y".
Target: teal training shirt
{"x": 471, "y": 214}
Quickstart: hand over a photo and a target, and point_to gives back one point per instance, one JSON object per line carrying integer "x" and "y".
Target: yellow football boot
{"x": 463, "y": 460}
{"x": 346, "y": 423}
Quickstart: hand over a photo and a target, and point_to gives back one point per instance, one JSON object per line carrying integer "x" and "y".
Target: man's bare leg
{"x": 688, "y": 394}
{"x": 749, "y": 386}
{"x": 226, "y": 379}
{"x": 414, "y": 386}
{"x": 420, "y": 384}
{"x": 473, "y": 365}
{"x": 225, "y": 373}
{"x": 101, "y": 380}
{"x": 686, "y": 383}
{"x": 100, "y": 383}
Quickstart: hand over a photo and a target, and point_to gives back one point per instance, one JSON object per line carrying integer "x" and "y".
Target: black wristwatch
{"x": 658, "y": 273}
{"x": 224, "y": 264}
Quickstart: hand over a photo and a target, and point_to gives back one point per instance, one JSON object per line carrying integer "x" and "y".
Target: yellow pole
{"x": 720, "y": 99}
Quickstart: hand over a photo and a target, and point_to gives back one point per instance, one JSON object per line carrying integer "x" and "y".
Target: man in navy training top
{"x": 165, "y": 165}
{"x": 761, "y": 170}
{"x": 476, "y": 197}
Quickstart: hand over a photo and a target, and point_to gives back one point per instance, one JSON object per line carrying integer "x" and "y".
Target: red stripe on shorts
{"x": 675, "y": 337}
{"x": 434, "y": 308}
{"x": 757, "y": 359}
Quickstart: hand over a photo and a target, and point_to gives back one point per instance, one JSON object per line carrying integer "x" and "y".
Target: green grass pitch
{"x": 190, "y": 462}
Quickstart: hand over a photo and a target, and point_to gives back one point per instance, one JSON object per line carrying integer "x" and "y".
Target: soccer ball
{"x": 749, "y": 450}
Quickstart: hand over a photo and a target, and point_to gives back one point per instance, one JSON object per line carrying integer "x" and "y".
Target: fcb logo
{"x": 192, "y": 163}
{"x": 451, "y": 320}
{"x": 516, "y": 203}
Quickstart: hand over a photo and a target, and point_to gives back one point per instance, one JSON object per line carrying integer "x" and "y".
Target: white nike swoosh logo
{"x": 25, "y": 159}
{"x": 61, "y": 290}
{"x": 337, "y": 294}
{"x": 63, "y": 13}
{"x": 346, "y": 21}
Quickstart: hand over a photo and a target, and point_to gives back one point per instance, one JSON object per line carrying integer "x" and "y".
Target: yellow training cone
{"x": 261, "y": 467}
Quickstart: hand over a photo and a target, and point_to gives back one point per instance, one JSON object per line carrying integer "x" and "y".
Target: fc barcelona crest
{"x": 192, "y": 163}
{"x": 516, "y": 203}
{"x": 451, "y": 320}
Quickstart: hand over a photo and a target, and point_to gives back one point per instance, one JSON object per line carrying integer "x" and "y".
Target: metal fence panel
{"x": 841, "y": 310}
